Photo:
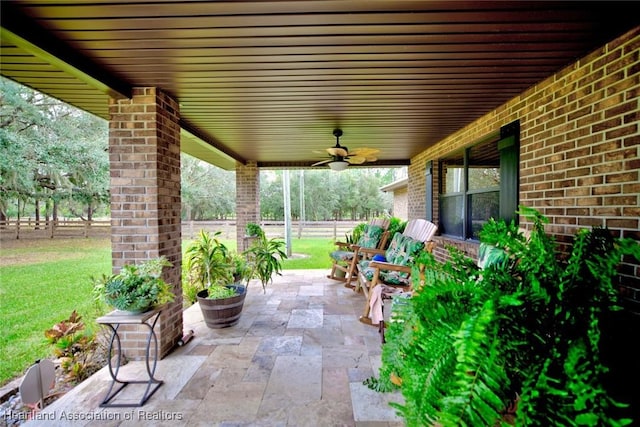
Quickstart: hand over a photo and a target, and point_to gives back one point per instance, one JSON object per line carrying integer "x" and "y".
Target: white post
{"x": 287, "y": 210}
{"x": 302, "y": 211}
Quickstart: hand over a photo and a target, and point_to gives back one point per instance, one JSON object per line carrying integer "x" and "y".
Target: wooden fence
{"x": 67, "y": 228}
{"x": 309, "y": 229}
{"x": 61, "y": 228}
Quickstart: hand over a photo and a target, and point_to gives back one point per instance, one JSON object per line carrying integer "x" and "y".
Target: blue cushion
{"x": 380, "y": 258}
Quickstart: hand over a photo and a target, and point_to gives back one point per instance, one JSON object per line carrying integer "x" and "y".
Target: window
{"x": 479, "y": 183}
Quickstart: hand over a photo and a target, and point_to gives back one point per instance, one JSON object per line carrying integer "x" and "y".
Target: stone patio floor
{"x": 297, "y": 357}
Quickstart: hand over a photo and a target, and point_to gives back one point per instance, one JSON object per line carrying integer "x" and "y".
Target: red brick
{"x": 606, "y": 147}
{"x": 607, "y": 211}
{"x": 578, "y": 211}
{"x": 631, "y": 211}
{"x": 554, "y": 194}
{"x": 589, "y": 160}
{"x": 591, "y": 222}
{"x": 624, "y": 200}
{"x": 578, "y": 172}
{"x": 578, "y": 192}
{"x": 622, "y": 177}
{"x": 607, "y": 167}
{"x": 622, "y": 223}
{"x": 633, "y": 187}
{"x": 589, "y": 201}
{"x": 621, "y": 155}
{"x": 606, "y": 189}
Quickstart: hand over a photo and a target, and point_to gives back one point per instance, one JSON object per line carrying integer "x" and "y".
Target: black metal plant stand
{"x": 113, "y": 320}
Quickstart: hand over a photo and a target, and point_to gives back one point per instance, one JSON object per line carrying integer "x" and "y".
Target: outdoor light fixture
{"x": 338, "y": 165}
{"x": 341, "y": 157}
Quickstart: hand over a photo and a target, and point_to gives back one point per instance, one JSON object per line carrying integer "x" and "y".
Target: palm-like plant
{"x": 212, "y": 266}
{"x": 208, "y": 261}
{"x": 265, "y": 259}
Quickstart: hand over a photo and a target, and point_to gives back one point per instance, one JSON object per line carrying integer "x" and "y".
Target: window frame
{"x": 508, "y": 144}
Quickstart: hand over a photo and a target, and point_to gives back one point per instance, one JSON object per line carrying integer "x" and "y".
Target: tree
{"x": 208, "y": 192}
{"x": 319, "y": 198}
{"x": 50, "y": 152}
{"x": 54, "y": 157}
{"x": 353, "y": 194}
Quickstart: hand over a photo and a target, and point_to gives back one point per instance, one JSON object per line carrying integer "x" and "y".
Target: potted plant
{"x": 265, "y": 259}
{"x": 240, "y": 270}
{"x": 136, "y": 288}
{"x": 209, "y": 267}
{"x": 223, "y": 275}
{"x": 253, "y": 230}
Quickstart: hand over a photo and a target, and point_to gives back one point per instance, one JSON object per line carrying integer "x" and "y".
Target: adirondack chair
{"x": 346, "y": 257}
{"x": 392, "y": 273}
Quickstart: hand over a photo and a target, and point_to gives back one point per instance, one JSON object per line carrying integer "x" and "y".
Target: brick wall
{"x": 144, "y": 156}
{"x": 400, "y": 197}
{"x": 579, "y": 148}
{"x": 247, "y": 199}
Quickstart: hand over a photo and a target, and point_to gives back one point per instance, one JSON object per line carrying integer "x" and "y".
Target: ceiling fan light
{"x": 338, "y": 165}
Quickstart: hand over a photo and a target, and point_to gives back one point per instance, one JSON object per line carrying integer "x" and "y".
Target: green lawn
{"x": 40, "y": 285}
{"x": 43, "y": 281}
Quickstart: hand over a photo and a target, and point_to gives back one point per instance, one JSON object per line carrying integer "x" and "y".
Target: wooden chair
{"x": 392, "y": 274}
{"x": 488, "y": 255}
{"x": 346, "y": 257}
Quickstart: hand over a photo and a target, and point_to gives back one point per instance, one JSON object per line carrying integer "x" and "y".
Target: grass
{"x": 42, "y": 284}
{"x": 43, "y": 280}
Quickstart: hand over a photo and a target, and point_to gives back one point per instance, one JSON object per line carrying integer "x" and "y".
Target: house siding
{"x": 579, "y": 150}
{"x": 400, "y": 203}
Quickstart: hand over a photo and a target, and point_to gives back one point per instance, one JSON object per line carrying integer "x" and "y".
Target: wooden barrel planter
{"x": 223, "y": 312}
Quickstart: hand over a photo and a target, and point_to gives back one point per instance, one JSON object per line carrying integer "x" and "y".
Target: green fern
{"x": 515, "y": 343}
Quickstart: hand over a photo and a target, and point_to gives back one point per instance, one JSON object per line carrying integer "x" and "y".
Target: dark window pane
{"x": 484, "y": 166}
{"x": 453, "y": 174}
{"x": 451, "y": 215}
{"x": 483, "y": 206}
{"x": 479, "y": 183}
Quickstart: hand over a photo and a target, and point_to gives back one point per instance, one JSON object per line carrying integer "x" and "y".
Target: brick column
{"x": 247, "y": 199}
{"x": 144, "y": 156}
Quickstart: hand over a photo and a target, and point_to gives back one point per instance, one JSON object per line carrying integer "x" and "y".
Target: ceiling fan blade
{"x": 337, "y": 151}
{"x": 322, "y": 162}
{"x": 371, "y": 158}
{"x": 356, "y": 160}
{"x": 364, "y": 151}
{"x": 319, "y": 151}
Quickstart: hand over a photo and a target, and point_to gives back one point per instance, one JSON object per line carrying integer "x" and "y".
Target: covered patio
{"x": 544, "y": 92}
{"x": 298, "y": 357}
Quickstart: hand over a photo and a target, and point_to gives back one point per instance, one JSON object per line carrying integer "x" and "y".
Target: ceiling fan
{"x": 341, "y": 157}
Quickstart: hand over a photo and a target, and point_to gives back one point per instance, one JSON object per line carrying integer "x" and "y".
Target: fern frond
{"x": 476, "y": 397}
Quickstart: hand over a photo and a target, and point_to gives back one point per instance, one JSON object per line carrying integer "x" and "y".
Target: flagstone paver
{"x": 297, "y": 357}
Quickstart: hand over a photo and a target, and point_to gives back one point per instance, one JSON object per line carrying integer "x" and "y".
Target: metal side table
{"x": 113, "y": 320}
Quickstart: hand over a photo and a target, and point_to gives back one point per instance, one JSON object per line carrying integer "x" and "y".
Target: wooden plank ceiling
{"x": 269, "y": 81}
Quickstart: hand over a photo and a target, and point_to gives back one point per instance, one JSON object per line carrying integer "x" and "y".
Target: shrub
{"x": 517, "y": 342}
{"x": 77, "y": 349}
